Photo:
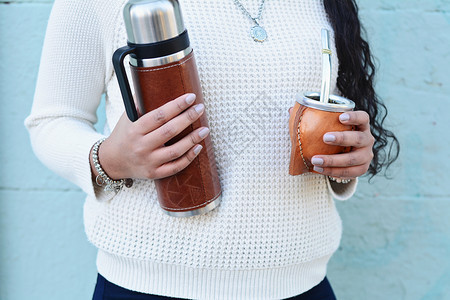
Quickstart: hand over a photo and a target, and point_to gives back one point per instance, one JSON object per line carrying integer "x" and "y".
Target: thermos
{"x": 163, "y": 68}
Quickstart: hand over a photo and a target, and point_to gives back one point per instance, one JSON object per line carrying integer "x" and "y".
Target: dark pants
{"x": 322, "y": 291}
{"x": 105, "y": 290}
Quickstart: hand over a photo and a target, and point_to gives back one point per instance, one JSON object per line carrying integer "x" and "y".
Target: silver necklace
{"x": 258, "y": 33}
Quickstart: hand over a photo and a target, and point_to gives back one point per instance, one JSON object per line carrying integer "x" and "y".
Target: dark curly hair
{"x": 356, "y": 78}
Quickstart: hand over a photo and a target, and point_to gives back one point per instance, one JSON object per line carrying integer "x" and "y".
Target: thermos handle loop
{"x": 143, "y": 51}
{"x": 161, "y": 48}
{"x": 118, "y": 58}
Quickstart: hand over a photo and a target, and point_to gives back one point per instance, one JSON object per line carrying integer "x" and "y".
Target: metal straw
{"x": 326, "y": 68}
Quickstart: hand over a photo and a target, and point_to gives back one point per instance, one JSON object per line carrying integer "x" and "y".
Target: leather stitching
{"x": 199, "y": 165}
{"x": 299, "y": 139}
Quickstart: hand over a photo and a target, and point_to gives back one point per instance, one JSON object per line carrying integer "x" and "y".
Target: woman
{"x": 273, "y": 234}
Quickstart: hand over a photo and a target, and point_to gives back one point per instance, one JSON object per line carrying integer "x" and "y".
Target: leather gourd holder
{"x": 308, "y": 122}
{"x": 163, "y": 68}
{"x": 315, "y": 114}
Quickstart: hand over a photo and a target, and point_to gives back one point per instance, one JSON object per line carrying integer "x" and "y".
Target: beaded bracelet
{"x": 102, "y": 178}
{"x": 339, "y": 180}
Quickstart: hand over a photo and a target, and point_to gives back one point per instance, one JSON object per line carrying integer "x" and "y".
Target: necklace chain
{"x": 258, "y": 33}
{"x": 260, "y": 10}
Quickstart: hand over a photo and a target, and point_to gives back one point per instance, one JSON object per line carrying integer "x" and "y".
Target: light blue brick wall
{"x": 396, "y": 242}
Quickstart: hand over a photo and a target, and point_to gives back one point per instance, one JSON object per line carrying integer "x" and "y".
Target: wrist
{"x": 101, "y": 176}
{"x": 109, "y": 162}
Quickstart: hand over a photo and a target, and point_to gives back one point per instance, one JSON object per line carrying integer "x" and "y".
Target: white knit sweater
{"x": 273, "y": 233}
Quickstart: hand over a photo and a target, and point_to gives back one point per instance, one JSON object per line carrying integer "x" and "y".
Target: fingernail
{"x": 329, "y": 138}
{"x": 199, "y": 107}
{"x": 190, "y": 99}
{"x": 318, "y": 169}
{"x": 197, "y": 149}
{"x": 317, "y": 161}
{"x": 344, "y": 117}
{"x": 203, "y": 132}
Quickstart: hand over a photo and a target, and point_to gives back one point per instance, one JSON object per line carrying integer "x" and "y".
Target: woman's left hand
{"x": 354, "y": 163}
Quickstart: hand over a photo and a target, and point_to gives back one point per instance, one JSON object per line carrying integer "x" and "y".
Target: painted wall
{"x": 396, "y": 242}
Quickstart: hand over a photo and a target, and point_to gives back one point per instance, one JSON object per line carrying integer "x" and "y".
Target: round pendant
{"x": 258, "y": 33}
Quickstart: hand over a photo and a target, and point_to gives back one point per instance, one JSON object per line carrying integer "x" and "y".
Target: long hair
{"x": 356, "y": 78}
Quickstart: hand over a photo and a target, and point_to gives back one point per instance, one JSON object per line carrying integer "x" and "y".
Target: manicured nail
{"x": 203, "y": 132}
{"x": 190, "y": 99}
{"x": 318, "y": 169}
{"x": 329, "y": 138}
{"x": 199, "y": 108}
{"x": 344, "y": 117}
{"x": 317, "y": 161}
{"x": 197, "y": 149}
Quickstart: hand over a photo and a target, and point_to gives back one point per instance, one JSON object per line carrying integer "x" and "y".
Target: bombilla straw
{"x": 326, "y": 68}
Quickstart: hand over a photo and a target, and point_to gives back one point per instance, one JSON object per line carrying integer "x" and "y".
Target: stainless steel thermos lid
{"x": 151, "y": 21}
{"x": 156, "y": 36}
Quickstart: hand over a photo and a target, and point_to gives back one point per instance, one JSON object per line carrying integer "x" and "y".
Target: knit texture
{"x": 272, "y": 235}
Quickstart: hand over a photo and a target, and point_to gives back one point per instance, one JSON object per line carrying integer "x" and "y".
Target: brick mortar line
{"x": 26, "y": 2}
{"x": 363, "y": 11}
{"x": 12, "y": 189}
{"x": 406, "y": 199}
{"x": 444, "y": 197}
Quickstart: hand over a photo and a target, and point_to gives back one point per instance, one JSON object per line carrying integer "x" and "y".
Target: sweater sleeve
{"x": 71, "y": 80}
{"x": 341, "y": 191}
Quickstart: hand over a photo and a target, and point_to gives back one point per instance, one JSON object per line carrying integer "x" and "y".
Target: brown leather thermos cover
{"x": 198, "y": 184}
{"x": 306, "y": 127}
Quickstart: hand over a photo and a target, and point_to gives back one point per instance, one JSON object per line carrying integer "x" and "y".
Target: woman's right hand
{"x": 136, "y": 149}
